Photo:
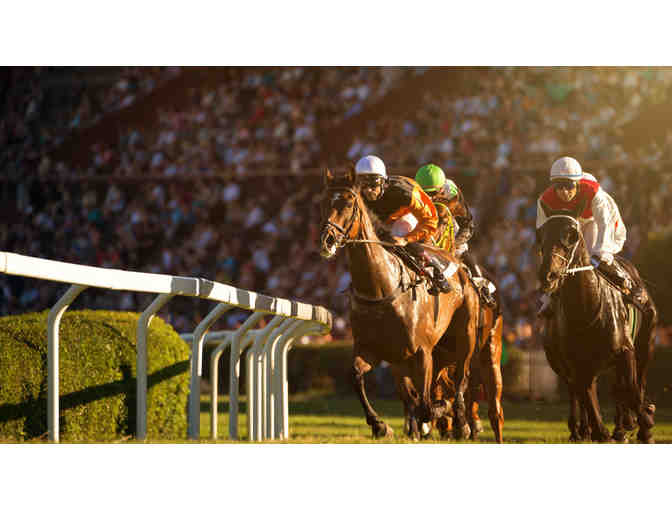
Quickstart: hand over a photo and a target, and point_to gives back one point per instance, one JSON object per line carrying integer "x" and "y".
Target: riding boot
{"x": 439, "y": 282}
{"x": 621, "y": 279}
{"x": 478, "y": 279}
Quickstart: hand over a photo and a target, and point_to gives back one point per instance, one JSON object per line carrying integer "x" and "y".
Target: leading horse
{"x": 592, "y": 329}
{"x": 393, "y": 317}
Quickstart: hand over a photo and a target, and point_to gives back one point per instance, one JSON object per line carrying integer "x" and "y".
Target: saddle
{"x": 425, "y": 263}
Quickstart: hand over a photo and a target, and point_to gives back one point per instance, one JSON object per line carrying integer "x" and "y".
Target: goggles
{"x": 370, "y": 181}
{"x": 567, "y": 185}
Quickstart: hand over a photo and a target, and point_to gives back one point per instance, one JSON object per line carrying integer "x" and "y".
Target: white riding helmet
{"x": 566, "y": 168}
{"x": 370, "y": 165}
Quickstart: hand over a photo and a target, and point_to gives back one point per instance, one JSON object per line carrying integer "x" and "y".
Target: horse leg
{"x": 645, "y": 343}
{"x": 590, "y": 402}
{"x": 575, "y": 433}
{"x": 378, "y": 427}
{"x": 411, "y": 401}
{"x": 460, "y": 426}
{"x": 421, "y": 370}
{"x": 442, "y": 391}
{"x": 472, "y": 404}
{"x": 634, "y": 397}
{"x": 490, "y": 359}
{"x": 623, "y": 420}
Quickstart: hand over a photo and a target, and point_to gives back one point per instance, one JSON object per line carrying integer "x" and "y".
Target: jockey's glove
{"x": 595, "y": 261}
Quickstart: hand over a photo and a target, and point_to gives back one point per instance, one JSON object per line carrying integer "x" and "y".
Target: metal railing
{"x": 306, "y": 319}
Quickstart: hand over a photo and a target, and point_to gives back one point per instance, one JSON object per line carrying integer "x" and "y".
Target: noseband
{"x": 342, "y": 234}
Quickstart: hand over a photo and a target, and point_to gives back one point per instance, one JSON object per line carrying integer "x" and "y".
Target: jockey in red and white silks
{"x": 577, "y": 193}
{"x": 601, "y": 224}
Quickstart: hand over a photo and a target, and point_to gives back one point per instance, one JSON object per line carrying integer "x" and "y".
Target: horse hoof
{"x": 619, "y": 437}
{"x": 478, "y": 426}
{"x": 382, "y": 430}
{"x": 426, "y": 430}
{"x": 646, "y": 440}
{"x": 462, "y": 432}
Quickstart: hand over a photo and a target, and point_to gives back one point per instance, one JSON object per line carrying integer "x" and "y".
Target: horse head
{"x": 341, "y": 212}
{"x": 561, "y": 244}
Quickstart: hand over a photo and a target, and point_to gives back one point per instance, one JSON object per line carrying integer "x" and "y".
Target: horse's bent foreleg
{"x": 378, "y": 427}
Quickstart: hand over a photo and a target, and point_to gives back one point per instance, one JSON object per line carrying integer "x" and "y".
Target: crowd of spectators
{"x": 186, "y": 197}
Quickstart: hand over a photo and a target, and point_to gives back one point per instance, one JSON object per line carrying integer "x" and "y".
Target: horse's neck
{"x": 582, "y": 291}
{"x": 374, "y": 271}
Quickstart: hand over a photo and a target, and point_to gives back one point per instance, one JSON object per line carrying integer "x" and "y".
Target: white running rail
{"x": 312, "y": 320}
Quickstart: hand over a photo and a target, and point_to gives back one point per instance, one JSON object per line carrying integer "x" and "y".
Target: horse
{"x": 393, "y": 316}
{"x": 485, "y": 370}
{"x": 593, "y": 329}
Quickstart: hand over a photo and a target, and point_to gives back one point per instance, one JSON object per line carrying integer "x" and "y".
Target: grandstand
{"x": 216, "y": 172}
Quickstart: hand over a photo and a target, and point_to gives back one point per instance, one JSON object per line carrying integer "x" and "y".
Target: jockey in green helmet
{"x": 446, "y": 195}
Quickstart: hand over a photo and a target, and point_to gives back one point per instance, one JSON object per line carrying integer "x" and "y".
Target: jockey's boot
{"x": 439, "y": 282}
{"x": 621, "y": 279}
{"x": 438, "y": 279}
{"x": 478, "y": 278}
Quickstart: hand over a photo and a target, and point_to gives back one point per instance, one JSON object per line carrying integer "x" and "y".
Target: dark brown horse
{"x": 591, "y": 330}
{"x": 393, "y": 318}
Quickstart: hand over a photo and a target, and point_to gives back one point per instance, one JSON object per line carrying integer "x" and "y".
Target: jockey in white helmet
{"x": 577, "y": 193}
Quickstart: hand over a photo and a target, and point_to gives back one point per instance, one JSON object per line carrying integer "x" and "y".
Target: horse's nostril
{"x": 551, "y": 276}
{"x": 329, "y": 240}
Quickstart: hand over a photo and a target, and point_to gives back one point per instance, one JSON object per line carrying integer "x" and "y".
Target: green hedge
{"x": 97, "y": 377}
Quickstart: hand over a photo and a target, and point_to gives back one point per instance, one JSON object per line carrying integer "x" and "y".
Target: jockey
{"x": 450, "y": 203}
{"x": 578, "y": 194}
{"x": 402, "y": 205}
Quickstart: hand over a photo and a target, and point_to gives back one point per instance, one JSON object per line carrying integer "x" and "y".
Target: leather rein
{"x": 342, "y": 237}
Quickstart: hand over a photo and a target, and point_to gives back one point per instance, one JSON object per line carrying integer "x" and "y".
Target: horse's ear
{"x": 328, "y": 177}
{"x": 351, "y": 173}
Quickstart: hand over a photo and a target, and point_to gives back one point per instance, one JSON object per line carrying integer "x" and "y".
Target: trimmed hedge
{"x": 97, "y": 377}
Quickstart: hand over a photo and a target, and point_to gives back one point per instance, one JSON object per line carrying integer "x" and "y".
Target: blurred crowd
{"x": 187, "y": 197}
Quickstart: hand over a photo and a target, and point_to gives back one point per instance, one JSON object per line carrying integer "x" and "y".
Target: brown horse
{"x": 485, "y": 369}
{"x": 593, "y": 329}
{"x": 393, "y": 317}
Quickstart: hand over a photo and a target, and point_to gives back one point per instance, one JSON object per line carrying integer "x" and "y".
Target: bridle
{"x": 341, "y": 237}
{"x": 342, "y": 234}
{"x": 567, "y": 270}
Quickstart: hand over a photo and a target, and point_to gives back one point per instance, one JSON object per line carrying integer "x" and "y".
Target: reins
{"x": 344, "y": 240}
{"x": 567, "y": 270}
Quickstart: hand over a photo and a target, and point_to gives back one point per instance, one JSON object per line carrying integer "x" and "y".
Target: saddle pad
{"x": 634, "y": 321}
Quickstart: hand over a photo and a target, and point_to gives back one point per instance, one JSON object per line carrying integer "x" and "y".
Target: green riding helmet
{"x": 430, "y": 178}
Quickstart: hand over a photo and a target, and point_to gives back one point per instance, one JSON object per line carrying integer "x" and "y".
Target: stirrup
{"x": 487, "y": 298}
{"x": 439, "y": 284}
